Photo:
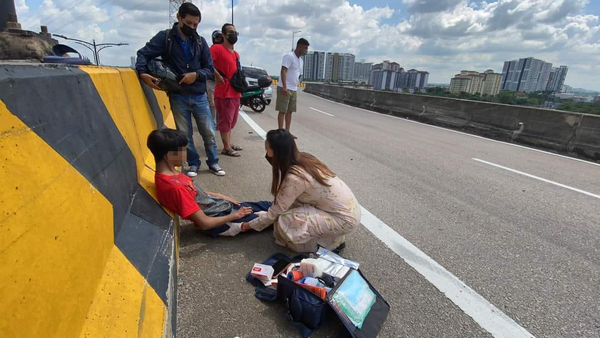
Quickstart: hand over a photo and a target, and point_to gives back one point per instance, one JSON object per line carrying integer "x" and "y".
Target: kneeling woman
{"x": 312, "y": 205}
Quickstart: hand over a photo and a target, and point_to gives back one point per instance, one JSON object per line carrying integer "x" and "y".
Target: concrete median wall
{"x": 572, "y": 133}
{"x": 85, "y": 249}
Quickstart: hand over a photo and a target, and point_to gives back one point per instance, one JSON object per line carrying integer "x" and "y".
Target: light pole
{"x": 294, "y": 33}
{"x": 232, "y": 12}
{"x": 93, "y": 46}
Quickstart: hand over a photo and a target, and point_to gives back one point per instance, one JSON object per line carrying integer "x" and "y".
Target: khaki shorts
{"x": 286, "y": 103}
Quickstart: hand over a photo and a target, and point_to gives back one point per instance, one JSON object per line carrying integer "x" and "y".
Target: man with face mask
{"x": 227, "y": 99}
{"x": 187, "y": 54}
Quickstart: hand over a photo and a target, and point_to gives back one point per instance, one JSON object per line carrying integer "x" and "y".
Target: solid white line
{"x": 484, "y": 313}
{"x": 253, "y": 124}
{"x": 489, "y": 317}
{"x": 459, "y": 132}
{"x": 320, "y": 111}
{"x": 538, "y": 178}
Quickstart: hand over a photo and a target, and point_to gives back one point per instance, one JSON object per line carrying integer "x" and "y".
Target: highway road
{"x": 464, "y": 236}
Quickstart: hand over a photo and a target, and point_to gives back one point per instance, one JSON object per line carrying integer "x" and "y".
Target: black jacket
{"x": 201, "y": 62}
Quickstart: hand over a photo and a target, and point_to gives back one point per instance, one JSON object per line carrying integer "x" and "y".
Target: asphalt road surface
{"x": 469, "y": 237}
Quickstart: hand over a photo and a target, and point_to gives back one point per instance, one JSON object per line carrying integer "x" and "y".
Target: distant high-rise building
{"x": 557, "y": 78}
{"x": 346, "y": 67}
{"x": 133, "y": 61}
{"x": 384, "y": 79}
{"x": 362, "y": 71}
{"x": 314, "y": 66}
{"x": 459, "y": 84}
{"x": 387, "y": 65}
{"x": 335, "y": 74}
{"x": 329, "y": 66}
{"x": 473, "y": 82}
{"x": 526, "y": 75}
{"x": 491, "y": 83}
{"x": 398, "y": 80}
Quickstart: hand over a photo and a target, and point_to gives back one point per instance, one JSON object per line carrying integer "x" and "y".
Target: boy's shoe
{"x": 217, "y": 170}
{"x": 192, "y": 171}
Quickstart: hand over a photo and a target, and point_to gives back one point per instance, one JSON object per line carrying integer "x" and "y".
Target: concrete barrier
{"x": 565, "y": 132}
{"x": 85, "y": 249}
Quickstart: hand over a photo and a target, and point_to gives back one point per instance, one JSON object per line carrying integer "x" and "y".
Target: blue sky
{"x": 440, "y": 36}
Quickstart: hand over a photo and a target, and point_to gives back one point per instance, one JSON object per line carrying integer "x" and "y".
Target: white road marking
{"x": 458, "y": 132}
{"x": 489, "y": 317}
{"x": 253, "y": 124}
{"x": 484, "y": 313}
{"x": 538, "y": 178}
{"x": 320, "y": 111}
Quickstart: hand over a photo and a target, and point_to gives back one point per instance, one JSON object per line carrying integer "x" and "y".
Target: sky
{"x": 442, "y": 37}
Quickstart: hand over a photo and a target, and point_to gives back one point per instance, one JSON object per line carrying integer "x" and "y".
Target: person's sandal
{"x": 230, "y": 152}
{"x": 236, "y": 148}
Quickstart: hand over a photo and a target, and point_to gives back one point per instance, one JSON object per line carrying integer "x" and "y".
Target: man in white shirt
{"x": 287, "y": 88}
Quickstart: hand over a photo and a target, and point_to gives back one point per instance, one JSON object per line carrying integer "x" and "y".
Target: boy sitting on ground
{"x": 178, "y": 193}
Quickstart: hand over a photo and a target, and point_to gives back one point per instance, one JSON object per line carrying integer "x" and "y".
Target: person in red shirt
{"x": 227, "y": 99}
{"x": 175, "y": 190}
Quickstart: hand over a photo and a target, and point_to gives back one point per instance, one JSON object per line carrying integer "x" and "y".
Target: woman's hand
{"x": 243, "y": 212}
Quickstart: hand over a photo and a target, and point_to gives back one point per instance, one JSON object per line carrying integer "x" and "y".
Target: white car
{"x": 252, "y": 74}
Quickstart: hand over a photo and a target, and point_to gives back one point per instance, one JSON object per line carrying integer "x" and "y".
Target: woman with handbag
{"x": 313, "y": 207}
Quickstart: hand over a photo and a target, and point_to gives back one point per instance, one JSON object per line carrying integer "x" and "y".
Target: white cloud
{"x": 441, "y": 36}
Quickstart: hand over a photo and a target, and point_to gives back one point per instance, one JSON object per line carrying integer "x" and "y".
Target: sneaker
{"x": 215, "y": 168}
{"x": 192, "y": 171}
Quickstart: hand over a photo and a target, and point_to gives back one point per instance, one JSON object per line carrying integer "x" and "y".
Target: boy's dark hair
{"x": 188, "y": 8}
{"x": 161, "y": 141}
{"x": 303, "y": 42}
{"x": 225, "y": 27}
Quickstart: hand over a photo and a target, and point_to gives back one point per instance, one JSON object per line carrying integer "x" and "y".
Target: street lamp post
{"x": 294, "y": 33}
{"x": 232, "y": 12}
{"x": 94, "y": 47}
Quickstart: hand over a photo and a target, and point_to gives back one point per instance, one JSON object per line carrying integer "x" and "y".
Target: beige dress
{"x": 307, "y": 214}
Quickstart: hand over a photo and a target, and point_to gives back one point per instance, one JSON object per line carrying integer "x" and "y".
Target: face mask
{"x": 269, "y": 159}
{"x": 232, "y": 38}
{"x": 187, "y": 30}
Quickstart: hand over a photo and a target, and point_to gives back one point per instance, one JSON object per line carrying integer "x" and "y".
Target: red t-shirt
{"x": 225, "y": 61}
{"x": 177, "y": 193}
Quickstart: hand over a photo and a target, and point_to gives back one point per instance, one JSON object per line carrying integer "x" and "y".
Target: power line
{"x": 109, "y": 19}
{"x": 76, "y": 3}
{"x": 58, "y": 17}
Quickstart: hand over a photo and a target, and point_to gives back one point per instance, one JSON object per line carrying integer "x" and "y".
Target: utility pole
{"x": 293, "y": 34}
{"x": 232, "y": 12}
{"x": 94, "y": 47}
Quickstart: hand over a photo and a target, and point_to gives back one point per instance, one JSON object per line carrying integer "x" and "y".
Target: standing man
{"x": 217, "y": 39}
{"x": 186, "y": 54}
{"x": 227, "y": 99}
{"x": 287, "y": 88}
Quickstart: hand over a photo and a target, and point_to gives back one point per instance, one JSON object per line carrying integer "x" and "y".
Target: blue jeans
{"x": 186, "y": 106}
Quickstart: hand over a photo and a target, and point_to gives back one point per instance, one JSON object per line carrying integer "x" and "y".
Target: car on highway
{"x": 252, "y": 74}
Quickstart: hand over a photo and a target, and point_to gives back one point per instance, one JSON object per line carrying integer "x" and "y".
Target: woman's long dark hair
{"x": 286, "y": 156}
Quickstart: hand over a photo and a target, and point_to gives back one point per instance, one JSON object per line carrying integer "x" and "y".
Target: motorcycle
{"x": 254, "y": 96}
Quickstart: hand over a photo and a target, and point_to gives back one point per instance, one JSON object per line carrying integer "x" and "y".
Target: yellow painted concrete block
{"x": 125, "y": 305}
{"x": 56, "y": 233}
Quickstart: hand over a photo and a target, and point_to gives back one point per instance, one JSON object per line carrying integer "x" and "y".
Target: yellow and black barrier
{"x": 85, "y": 249}
{"x": 300, "y": 85}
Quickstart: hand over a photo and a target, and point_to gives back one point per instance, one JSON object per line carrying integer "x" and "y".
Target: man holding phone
{"x": 187, "y": 54}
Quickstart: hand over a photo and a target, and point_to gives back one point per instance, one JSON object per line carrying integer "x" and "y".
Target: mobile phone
{"x": 279, "y": 266}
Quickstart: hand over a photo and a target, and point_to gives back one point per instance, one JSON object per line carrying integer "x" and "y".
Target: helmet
{"x": 215, "y": 35}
